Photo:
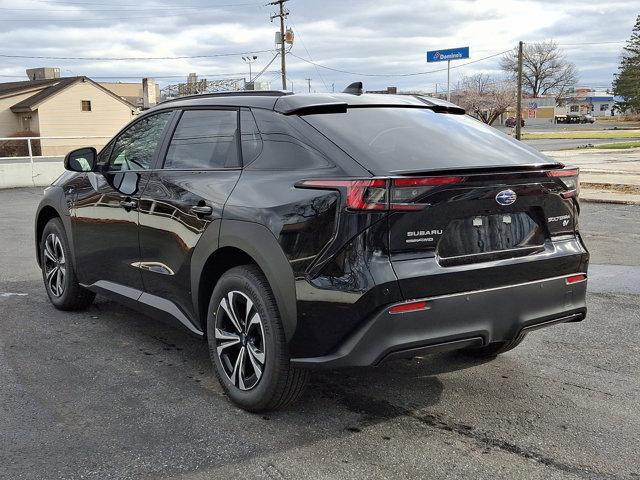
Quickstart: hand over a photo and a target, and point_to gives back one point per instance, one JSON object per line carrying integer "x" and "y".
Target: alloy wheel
{"x": 55, "y": 266}
{"x": 240, "y": 342}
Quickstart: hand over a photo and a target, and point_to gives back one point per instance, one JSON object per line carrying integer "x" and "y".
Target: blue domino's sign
{"x": 448, "y": 54}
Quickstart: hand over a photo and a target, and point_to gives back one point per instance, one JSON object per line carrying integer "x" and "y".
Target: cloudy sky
{"x": 379, "y": 42}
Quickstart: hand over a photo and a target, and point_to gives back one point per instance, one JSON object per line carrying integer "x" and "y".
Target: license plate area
{"x": 488, "y": 237}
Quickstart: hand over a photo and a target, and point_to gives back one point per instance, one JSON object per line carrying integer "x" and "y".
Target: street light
{"x": 250, "y": 60}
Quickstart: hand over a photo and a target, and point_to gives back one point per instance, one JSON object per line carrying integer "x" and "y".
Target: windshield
{"x": 392, "y": 139}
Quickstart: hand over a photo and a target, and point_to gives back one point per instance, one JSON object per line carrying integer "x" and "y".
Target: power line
{"x": 115, "y": 77}
{"x": 399, "y": 74}
{"x": 309, "y": 55}
{"x": 589, "y": 43}
{"x": 179, "y": 57}
{"x": 70, "y": 8}
{"x": 99, "y": 19}
{"x": 200, "y": 5}
{"x": 266, "y": 66}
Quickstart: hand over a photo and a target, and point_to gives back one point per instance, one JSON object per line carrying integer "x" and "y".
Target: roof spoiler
{"x": 441, "y": 106}
{"x": 334, "y": 107}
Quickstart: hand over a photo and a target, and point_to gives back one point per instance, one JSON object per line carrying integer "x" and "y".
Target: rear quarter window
{"x": 285, "y": 146}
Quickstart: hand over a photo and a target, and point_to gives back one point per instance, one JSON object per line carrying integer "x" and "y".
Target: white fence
{"x": 38, "y": 161}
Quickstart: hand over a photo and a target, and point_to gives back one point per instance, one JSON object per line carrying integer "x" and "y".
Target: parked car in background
{"x": 511, "y": 122}
{"x": 294, "y": 232}
{"x": 574, "y": 118}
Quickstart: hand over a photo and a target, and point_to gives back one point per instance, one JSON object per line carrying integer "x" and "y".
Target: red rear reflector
{"x": 563, "y": 172}
{"x": 576, "y": 278}
{"x": 409, "y": 307}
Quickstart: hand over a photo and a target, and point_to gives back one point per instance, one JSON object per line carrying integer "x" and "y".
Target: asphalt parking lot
{"x": 111, "y": 394}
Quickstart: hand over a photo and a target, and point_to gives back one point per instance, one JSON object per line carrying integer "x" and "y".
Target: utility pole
{"x": 519, "y": 98}
{"x": 283, "y": 14}
{"x": 309, "y": 82}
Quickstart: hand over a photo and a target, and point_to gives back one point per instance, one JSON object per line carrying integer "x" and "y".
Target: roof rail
{"x": 232, "y": 93}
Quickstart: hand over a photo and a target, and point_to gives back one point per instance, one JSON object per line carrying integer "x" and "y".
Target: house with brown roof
{"x": 62, "y": 107}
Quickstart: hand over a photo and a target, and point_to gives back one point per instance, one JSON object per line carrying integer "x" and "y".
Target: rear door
{"x": 185, "y": 196}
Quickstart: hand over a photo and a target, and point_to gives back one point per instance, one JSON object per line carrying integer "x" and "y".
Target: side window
{"x": 105, "y": 153}
{"x": 285, "y": 144}
{"x": 134, "y": 148}
{"x": 204, "y": 139}
{"x": 250, "y": 136}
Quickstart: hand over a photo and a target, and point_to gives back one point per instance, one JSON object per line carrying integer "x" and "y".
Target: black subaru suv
{"x": 299, "y": 231}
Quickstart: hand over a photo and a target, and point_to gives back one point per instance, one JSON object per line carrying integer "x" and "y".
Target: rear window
{"x": 391, "y": 139}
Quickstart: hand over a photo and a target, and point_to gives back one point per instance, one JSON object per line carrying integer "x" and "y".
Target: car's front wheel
{"x": 58, "y": 271}
{"x": 247, "y": 343}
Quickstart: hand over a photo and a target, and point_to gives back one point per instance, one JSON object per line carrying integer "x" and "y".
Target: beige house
{"x": 134, "y": 92}
{"x": 63, "y": 107}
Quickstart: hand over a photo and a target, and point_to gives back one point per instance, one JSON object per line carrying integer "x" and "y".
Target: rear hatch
{"x": 486, "y": 230}
{"x": 469, "y": 207}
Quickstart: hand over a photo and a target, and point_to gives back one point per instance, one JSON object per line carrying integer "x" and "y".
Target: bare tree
{"x": 485, "y": 97}
{"x": 545, "y": 69}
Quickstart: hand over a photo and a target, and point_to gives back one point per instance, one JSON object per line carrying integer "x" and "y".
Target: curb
{"x": 618, "y": 188}
{"x": 597, "y": 171}
{"x": 612, "y": 201}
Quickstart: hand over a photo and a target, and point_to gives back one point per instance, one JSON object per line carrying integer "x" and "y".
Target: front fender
{"x": 53, "y": 199}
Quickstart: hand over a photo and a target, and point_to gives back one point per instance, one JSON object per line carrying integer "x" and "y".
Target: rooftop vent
{"x": 43, "y": 73}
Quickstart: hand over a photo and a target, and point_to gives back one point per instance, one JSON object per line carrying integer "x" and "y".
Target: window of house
{"x": 86, "y": 105}
{"x": 575, "y": 108}
{"x": 204, "y": 139}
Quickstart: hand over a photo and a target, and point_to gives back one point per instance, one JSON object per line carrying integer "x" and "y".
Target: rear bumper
{"x": 459, "y": 320}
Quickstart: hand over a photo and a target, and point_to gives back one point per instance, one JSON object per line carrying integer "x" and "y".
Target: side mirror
{"x": 81, "y": 160}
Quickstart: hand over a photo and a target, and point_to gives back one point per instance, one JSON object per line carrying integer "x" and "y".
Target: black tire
{"x": 67, "y": 294}
{"x": 273, "y": 384}
{"x": 493, "y": 349}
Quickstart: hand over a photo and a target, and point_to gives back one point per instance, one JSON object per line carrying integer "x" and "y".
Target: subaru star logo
{"x": 506, "y": 197}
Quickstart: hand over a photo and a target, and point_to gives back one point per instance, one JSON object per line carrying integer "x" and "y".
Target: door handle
{"x": 201, "y": 210}
{"x": 129, "y": 204}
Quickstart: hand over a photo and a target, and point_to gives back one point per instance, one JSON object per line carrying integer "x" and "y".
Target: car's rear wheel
{"x": 58, "y": 271}
{"x": 247, "y": 343}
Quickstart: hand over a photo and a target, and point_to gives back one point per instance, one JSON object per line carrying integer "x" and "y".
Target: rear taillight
{"x": 407, "y": 192}
{"x": 395, "y": 194}
{"x": 569, "y": 178}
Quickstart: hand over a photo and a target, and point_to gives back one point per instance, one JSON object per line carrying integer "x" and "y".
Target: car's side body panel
{"x": 170, "y": 230}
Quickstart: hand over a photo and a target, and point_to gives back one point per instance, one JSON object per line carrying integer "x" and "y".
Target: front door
{"x": 184, "y": 197}
{"x": 105, "y": 213}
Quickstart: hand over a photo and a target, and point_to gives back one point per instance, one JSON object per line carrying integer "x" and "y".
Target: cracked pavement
{"x": 111, "y": 394}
